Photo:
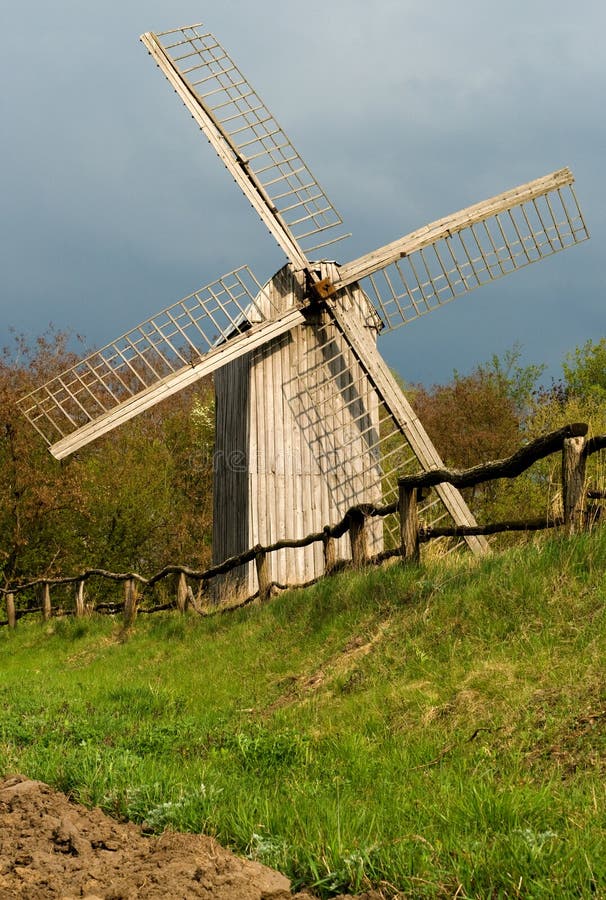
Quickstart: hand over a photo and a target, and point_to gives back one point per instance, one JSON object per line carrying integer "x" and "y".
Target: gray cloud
{"x": 113, "y": 205}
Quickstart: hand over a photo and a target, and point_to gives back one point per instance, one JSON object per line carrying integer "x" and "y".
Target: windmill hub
{"x": 324, "y": 289}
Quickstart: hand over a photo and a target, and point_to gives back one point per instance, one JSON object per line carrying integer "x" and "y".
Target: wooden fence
{"x": 570, "y": 440}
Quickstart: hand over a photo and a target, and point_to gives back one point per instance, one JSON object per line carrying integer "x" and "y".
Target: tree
{"x": 478, "y": 417}
{"x": 138, "y": 498}
{"x": 520, "y": 384}
{"x": 39, "y": 498}
{"x": 585, "y": 371}
{"x": 579, "y": 397}
{"x": 148, "y": 488}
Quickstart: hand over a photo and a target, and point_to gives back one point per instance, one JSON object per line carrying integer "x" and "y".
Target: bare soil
{"x": 51, "y": 847}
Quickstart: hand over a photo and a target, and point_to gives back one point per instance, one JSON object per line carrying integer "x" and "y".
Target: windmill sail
{"x": 248, "y": 139}
{"x": 211, "y": 327}
{"x": 450, "y": 257}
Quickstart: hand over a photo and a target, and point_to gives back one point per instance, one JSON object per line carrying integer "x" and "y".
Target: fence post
{"x": 409, "y": 524}
{"x": 46, "y": 601}
{"x": 358, "y": 538}
{"x": 131, "y": 598}
{"x": 330, "y": 551}
{"x": 573, "y": 482}
{"x": 182, "y": 593}
{"x": 11, "y": 614}
{"x": 263, "y": 576}
{"x": 80, "y": 608}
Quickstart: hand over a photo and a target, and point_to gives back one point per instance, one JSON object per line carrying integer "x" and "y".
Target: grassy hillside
{"x": 435, "y": 732}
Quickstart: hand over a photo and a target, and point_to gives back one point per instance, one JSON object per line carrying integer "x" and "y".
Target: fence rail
{"x": 570, "y": 440}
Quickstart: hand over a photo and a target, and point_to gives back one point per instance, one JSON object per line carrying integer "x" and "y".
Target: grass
{"x": 434, "y": 733}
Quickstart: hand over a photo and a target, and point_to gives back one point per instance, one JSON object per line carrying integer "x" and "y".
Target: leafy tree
{"x": 585, "y": 370}
{"x": 470, "y": 419}
{"x": 478, "y": 417}
{"x": 579, "y": 397}
{"x": 40, "y": 499}
{"x": 148, "y": 489}
{"x": 138, "y": 498}
{"x": 520, "y": 384}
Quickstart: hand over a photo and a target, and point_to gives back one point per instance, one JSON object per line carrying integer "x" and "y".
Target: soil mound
{"x": 51, "y": 847}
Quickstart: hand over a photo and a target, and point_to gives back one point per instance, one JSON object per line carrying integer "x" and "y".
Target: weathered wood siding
{"x": 230, "y": 472}
{"x": 306, "y": 421}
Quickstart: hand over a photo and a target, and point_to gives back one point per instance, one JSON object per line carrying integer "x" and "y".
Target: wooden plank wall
{"x": 309, "y": 414}
{"x": 230, "y": 474}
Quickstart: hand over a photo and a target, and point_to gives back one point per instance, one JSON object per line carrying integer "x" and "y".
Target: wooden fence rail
{"x": 570, "y": 440}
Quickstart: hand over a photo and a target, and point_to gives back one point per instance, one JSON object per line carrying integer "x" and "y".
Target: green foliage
{"x": 479, "y": 417}
{"x": 578, "y": 398}
{"x": 148, "y": 491}
{"x": 516, "y": 382}
{"x": 139, "y": 498}
{"x": 555, "y": 410}
{"x": 439, "y": 731}
{"x": 585, "y": 371}
{"x": 39, "y": 499}
{"x": 489, "y": 413}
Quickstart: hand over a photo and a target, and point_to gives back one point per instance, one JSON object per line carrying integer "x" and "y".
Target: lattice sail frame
{"x": 258, "y": 143}
{"x": 364, "y": 445}
{"x": 154, "y": 360}
{"x": 451, "y": 257}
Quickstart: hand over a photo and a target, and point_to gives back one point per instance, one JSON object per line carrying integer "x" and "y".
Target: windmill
{"x": 310, "y": 420}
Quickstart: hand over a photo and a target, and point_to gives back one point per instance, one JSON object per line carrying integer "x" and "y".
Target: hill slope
{"x": 433, "y": 732}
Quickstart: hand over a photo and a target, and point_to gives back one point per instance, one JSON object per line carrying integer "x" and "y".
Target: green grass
{"x": 431, "y": 732}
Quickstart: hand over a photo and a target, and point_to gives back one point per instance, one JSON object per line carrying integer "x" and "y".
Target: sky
{"x": 113, "y": 205}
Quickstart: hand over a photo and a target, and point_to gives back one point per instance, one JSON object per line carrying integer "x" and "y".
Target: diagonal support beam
{"x": 371, "y": 361}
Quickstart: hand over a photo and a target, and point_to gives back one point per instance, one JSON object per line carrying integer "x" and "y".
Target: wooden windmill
{"x": 310, "y": 420}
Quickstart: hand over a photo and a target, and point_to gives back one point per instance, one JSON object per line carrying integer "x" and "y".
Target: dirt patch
{"x": 338, "y": 665}
{"x": 51, "y": 847}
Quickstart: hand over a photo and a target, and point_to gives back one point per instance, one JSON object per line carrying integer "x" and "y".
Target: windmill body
{"x": 310, "y": 420}
{"x": 297, "y": 442}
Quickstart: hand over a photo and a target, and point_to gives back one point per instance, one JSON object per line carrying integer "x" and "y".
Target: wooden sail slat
{"x": 233, "y": 118}
{"x": 175, "y": 382}
{"x": 446, "y": 259}
{"x": 442, "y": 228}
{"x": 545, "y": 228}
{"x": 169, "y": 343}
{"x": 226, "y": 152}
